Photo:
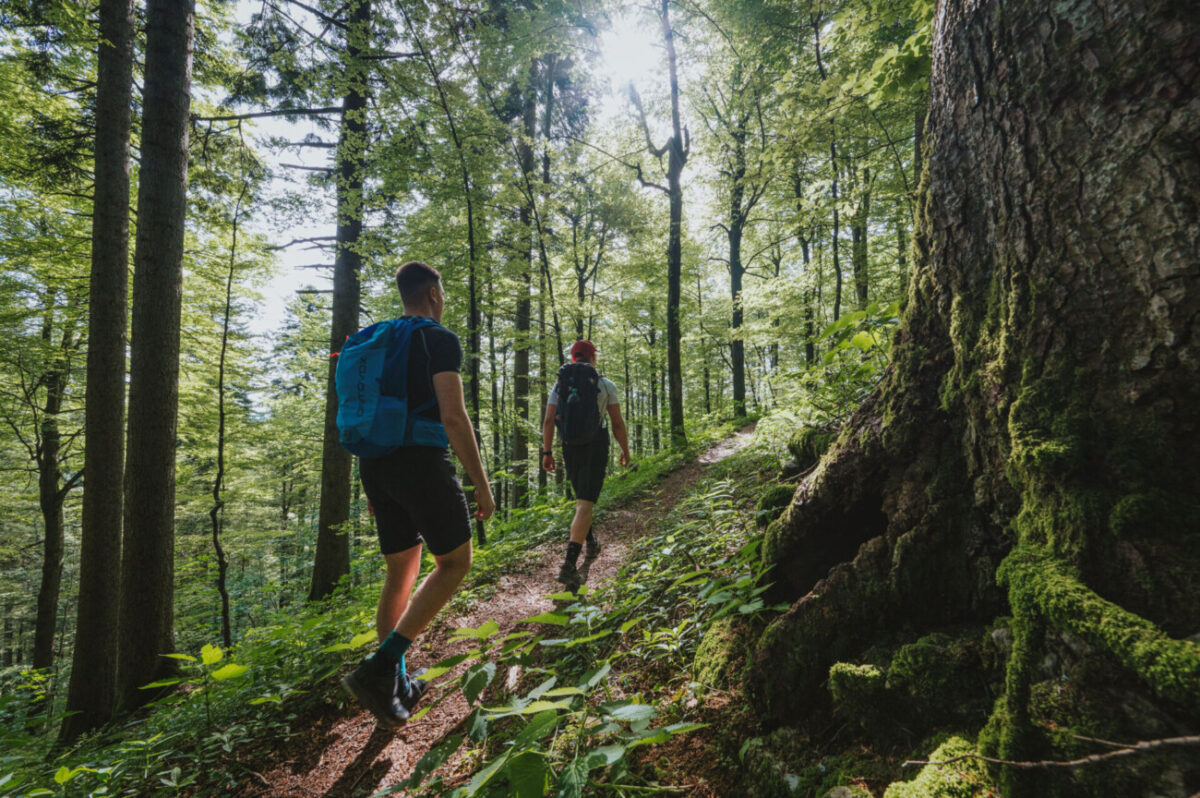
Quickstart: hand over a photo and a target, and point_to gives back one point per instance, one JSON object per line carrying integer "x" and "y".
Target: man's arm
{"x": 619, "y": 432}
{"x": 447, "y": 385}
{"x": 548, "y": 438}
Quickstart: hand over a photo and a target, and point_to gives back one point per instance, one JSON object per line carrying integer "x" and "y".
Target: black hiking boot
{"x": 410, "y": 689}
{"x": 569, "y": 576}
{"x": 376, "y": 690}
{"x": 591, "y": 549}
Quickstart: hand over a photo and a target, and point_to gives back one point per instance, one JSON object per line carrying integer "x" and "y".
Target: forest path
{"x": 348, "y": 755}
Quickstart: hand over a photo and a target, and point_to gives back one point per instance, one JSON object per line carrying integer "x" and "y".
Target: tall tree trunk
{"x": 677, "y": 154}
{"x": 91, "y": 694}
{"x": 332, "y": 560}
{"x": 1039, "y": 409}
{"x": 737, "y": 223}
{"x": 520, "y": 443}
{"x": 148, "y": 557}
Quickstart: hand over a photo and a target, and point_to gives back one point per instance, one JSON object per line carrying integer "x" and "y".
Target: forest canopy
{"x": 945, "y": 257}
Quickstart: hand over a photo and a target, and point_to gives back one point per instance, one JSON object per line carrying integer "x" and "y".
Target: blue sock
{"x": 392, "y": 649}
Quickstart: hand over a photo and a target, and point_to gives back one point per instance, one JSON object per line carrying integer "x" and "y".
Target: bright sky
{"x": 630, "y": 51}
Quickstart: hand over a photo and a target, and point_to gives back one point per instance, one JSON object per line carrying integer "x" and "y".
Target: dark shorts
{"x": 416, "y": 496}
{"x": 586, "y": 466}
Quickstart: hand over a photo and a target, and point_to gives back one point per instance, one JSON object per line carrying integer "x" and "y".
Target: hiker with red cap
{"x": 577, "y": 406}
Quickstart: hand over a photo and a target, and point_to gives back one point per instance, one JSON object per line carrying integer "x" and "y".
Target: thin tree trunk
{"x": 148, "y": 566}
{"x": 217, "y": 513}
{"x": 859, "y": 252}
{"x": 332, "y": 560}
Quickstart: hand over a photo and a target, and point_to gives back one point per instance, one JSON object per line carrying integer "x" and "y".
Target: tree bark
{"x": 858, "y": 240}
{"x": 677, "y": 154}
{"x": 91, "y": 693}
{"x": 332, "y": 560}
{"x": 148, "y": 567}
{"x": 520, "y": 443}
{"x": 1037, "y": 422}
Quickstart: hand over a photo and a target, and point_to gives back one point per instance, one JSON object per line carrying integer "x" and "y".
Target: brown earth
{"x": 342, "y": 755}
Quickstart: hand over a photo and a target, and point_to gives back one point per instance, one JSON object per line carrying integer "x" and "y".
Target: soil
{"x": 342, "y": 755}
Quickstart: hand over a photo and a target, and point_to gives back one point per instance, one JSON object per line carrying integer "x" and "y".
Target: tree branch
{"x": 1128, "y": 750}
{"x": 261, "y": 114}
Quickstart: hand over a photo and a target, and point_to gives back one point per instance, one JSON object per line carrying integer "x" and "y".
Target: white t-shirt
{"x": 607, "y": 395}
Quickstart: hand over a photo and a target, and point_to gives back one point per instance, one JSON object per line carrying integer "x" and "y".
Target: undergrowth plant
{"x": 552, "y": 704}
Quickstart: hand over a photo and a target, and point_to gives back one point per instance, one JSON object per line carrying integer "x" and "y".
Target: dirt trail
{"x": 342, "y": 756}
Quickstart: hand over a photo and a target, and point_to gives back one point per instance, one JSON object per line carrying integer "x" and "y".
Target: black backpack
{"x": 578, "y": 416}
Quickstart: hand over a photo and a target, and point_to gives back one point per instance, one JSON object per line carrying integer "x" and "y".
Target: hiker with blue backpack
{"x": 576, "y": 408}
{"x": 400, "y": 405}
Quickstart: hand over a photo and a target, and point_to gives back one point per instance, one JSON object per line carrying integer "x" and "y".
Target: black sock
{"x": 573, "y": 550}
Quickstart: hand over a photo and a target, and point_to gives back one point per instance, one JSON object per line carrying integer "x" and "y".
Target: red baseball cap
{"x": 583, "y": 350}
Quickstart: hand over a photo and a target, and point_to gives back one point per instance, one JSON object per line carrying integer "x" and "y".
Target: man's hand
{"x": 624, "y": 458}
{"x": 548, "y": 463}
{"x": 485, "y": 505}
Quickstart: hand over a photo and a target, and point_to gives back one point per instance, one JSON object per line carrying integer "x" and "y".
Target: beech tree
{"x": 1033, "y": 449}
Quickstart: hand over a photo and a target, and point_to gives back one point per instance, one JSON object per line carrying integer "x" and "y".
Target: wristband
{"x": 547, "y": 454}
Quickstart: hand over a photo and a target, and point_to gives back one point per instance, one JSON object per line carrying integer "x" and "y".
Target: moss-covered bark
{"x": 1040, "y": 410}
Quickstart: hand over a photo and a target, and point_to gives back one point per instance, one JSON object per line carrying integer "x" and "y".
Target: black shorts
{"x": 586, "y": 465}
{"x": 416, "y": 496}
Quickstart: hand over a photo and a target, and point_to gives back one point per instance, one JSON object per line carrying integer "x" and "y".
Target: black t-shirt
{"x": 431, "y": 350}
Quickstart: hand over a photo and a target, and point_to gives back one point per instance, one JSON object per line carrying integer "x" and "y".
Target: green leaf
{"x": 478, "y": 633}
{"x": 446, "y": 665}
{"x": 863, "y": 340}
{"x": 476, "y": 679}
{"x": 160, "y": 683}
{"x": 210, "y": 654}
{"x": 572, "y": 780}
{"x": 362, "y": 638}
{"x": 63, "y": 775}
{"x": 477, "y": 725}
{"x": 337, "y": 647}
{"x": 604, "y": 756}
{"x": 183, "y": 657}
{"x": 553, "y": 618}
{"x": 625, "y": 627}
{"x": 566, "y": 595}
{"x": 684, "y": 728}
{"x": 274, "y": 698}
{"x": 542, "y": 688}
{"x": 557, "y": 691}
{"x": 527, "y": 775}
{"x": 592, "y": 679}
{"x": 230, "y": 671}
{"x": 634, "y": 712}
{"x": 578, "y": 641}
{"x": 536, "y": 706}
{"x": 537, "y": 728}
{"x": 484, "y": 776}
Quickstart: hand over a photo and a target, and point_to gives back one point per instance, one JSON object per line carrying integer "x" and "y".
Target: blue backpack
{"x": 373, "y": 416}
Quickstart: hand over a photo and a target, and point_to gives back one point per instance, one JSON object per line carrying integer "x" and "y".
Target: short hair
{"x": 413, "y": 280}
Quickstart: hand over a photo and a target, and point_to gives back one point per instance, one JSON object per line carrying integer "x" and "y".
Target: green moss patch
{"x": 966, "y": 778}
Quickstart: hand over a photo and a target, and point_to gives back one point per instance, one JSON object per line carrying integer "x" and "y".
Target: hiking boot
{"x": 591, "y": 549}
{"x": 376, "y": 690}
{"x": 410, "y": 689}
{"x": 569, "y": 576}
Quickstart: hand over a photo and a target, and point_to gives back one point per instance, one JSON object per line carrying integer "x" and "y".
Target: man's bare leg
{"x": 435, "y": 591}
{"x": 582, "y": 521}
{"x": 402, "y": 570}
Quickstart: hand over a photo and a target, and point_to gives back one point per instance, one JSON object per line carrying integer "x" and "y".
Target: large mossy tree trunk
{"x": 1033, "y": 450}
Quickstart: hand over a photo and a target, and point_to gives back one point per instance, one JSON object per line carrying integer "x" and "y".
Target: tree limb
{"x": 1128, "y": 750}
